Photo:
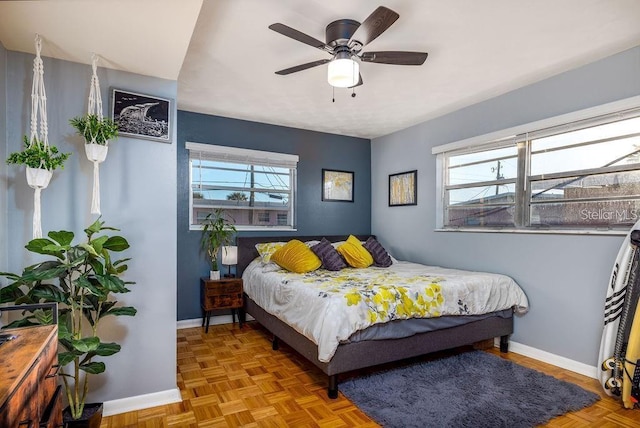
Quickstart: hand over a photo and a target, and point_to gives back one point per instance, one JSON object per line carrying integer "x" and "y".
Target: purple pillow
{"x": 380, "y": 256}
{"x": 331, "y": 259}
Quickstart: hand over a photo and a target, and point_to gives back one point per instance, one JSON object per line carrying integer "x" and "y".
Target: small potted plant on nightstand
{"x": 217, "y": 231}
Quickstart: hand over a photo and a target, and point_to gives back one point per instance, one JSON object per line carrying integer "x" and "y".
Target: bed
{"x": 376, "y": 344}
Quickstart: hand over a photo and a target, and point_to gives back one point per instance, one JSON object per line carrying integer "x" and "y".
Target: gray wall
{"x": 138, "y": 181}
{"x": 316, "y": 151}
{"x": 564, "y": 276}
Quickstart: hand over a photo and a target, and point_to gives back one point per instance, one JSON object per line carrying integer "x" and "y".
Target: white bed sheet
{"x": 328, "y": 307}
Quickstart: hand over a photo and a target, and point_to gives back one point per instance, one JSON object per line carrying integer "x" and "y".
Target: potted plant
{"x": 82, "y": 278}
{"x": 40, "y": 160}
{"x": 217, "y": 231}
{"x": 97, "y": 132}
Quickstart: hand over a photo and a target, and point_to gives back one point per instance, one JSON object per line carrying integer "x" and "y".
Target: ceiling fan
{"x": 345, "y": 40}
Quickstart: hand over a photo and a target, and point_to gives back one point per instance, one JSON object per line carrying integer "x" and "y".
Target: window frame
{"x": 521, "y": 136}
{"x": 248, "y": 157}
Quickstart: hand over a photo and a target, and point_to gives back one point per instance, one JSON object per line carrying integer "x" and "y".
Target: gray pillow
{"x": 331, "y": 259}
{"x": 380, "y": 256}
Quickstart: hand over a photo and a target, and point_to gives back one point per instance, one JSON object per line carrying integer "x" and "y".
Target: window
{"x": 579, "y": 175}
{"x": 253, "y": 187}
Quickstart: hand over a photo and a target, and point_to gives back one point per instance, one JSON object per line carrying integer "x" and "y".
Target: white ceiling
{"x": 224, "y": 56}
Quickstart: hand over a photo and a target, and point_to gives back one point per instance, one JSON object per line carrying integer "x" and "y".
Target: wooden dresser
{"x": 29, "y": 391}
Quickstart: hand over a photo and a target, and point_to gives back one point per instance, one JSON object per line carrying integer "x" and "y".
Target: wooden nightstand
{"x": 223, "y": 293}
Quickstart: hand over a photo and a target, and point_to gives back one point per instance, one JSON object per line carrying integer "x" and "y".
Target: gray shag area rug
{"x": 474, "y": 389}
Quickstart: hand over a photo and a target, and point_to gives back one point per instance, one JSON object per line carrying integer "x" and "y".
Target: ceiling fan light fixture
{"x": 343, "y": 71}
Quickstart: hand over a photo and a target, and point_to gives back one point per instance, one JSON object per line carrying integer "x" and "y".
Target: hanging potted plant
{"x": 96, "y": 131}
{"x": 217, "y": 231}
{"x": 82, "y": 278}
{"x": 40, "y": 159}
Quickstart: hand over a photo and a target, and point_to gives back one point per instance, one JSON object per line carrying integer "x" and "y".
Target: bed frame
{"x": 358, "y": 355}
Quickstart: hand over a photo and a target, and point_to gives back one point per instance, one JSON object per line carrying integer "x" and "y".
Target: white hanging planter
{"x": 214, "y": 274}
{"x": 38, "y": 178}
{"x": 96, "y": 131}
{"x": 37, "y": 143}
{"x": 96, "y": 152}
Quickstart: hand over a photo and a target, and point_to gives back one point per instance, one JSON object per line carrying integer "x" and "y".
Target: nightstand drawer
{"x": 224, "y": 301}
{"x": 223, "y": 288}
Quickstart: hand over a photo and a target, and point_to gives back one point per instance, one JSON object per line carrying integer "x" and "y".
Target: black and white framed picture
{"x": 141, "y": 116}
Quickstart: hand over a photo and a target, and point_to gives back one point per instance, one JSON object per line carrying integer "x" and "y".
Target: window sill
{"x": 265, "y": 229}
{"x": 254, "y": 228}
{"x": 607, "y": 232}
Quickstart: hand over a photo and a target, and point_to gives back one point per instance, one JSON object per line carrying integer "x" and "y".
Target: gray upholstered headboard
{"x": 247, "y": 245}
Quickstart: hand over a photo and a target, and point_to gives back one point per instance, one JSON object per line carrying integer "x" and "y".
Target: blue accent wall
{"x": 316, "y": 150}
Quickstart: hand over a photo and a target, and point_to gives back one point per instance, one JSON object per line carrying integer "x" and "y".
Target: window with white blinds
{"x": 583, "y": 175}
{"x": 256, "y": 189}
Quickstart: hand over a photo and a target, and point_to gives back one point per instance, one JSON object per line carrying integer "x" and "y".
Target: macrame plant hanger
{"x": 96, "y": 153}
{"x": 38, "y": 178}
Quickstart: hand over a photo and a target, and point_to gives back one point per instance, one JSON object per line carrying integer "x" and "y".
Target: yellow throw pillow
{"x": 355, "y": 254}
{"x": 296, "y": 257}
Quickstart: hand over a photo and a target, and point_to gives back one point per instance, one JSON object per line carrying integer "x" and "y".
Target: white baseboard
{"x": 190, "y": 323}
{"x": 547, "y": 357}
{"x": 140, "y": 402}
{"x": 215, "y": 320}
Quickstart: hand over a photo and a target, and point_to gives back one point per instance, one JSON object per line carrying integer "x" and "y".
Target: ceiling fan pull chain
{"x": 333, "y": 96}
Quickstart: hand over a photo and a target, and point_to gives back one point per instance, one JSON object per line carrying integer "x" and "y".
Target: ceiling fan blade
{"x": 375, "y": 24}
{"x": 302, "y": 67}
{"x": 299, "y": 36}
{"x": 395, "y": 57}
{"x": 360, "y": 82}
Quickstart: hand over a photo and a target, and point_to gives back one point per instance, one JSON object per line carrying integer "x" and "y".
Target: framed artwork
{"x": 403, "y": 189}
{"x": 141, "y": 116}
{"x": 337, "y": 185}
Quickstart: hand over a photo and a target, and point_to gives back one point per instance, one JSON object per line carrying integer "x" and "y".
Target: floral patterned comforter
{"x": 328, "y": 307}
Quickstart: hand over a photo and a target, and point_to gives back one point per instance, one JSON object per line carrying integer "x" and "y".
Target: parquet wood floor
{"x": 231, "y": 377}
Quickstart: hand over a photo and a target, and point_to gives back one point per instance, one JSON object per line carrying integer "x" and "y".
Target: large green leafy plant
{"x": 94, "y": 129}
{"x": 217, "y": 231}
{"x": 37, "y": 155}
{"x": 83, "y": 279}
